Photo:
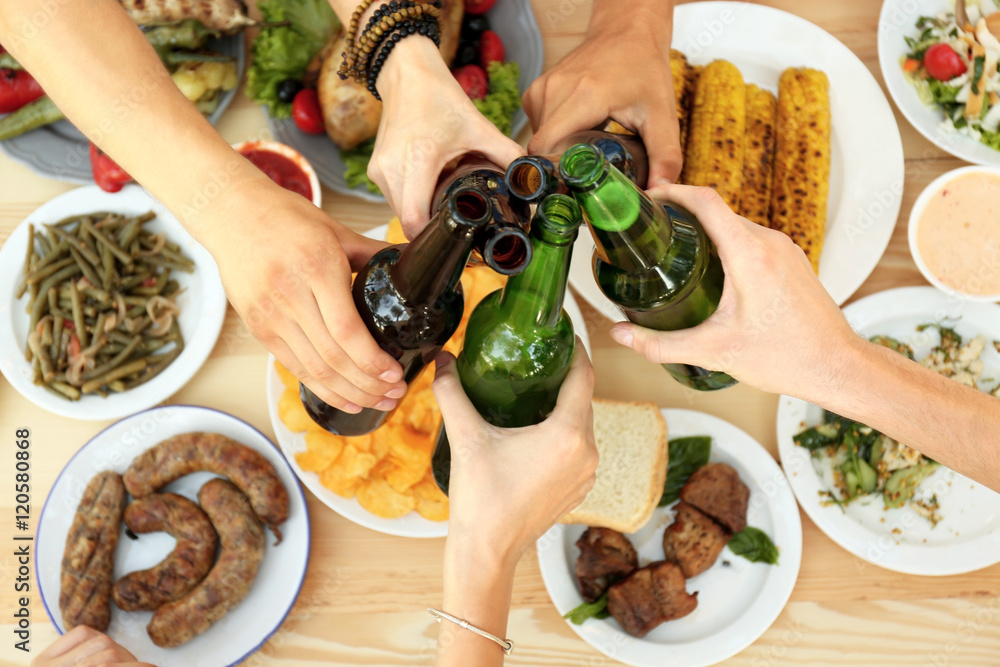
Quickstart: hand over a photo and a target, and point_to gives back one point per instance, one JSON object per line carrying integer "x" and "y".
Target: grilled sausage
{"x": 225, "y": 586}
{"x": 183, "y": 568}
{"x": 88, "y": 560}
{"x": 191, "y": 452}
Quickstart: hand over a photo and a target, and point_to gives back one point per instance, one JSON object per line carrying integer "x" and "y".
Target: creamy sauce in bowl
{"x": 958, "y": 234}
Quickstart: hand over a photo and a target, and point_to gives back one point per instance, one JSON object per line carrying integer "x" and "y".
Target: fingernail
{"x": 385, "y": 404}
{"x": 622, "y": 336}
{"x": 391, "y": 376}
{"x": 398, "y": 392}
{"x": 442, "y": 360}
{"x": 353, "y": 408}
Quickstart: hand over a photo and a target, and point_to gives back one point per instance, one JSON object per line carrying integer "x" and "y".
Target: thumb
{"x": 662, "y": 138}
{"x": 460, "y": 416}
{"x": 502, "y": 151}
{"x": 661, "y": 347}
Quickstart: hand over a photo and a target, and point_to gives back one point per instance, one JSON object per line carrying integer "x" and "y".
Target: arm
{"x": 621, "y": 70}
{"x": 83, "y": 647}
{"x": 427, "y": 121}
{"x": 286, "y": 265}
{"x": 777, "y": 329}
{"x": 508, "y": 486}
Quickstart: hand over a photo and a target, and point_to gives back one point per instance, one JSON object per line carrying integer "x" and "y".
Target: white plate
{"x": 411, "y": 525}
{"x": 247, "y": 626}
{"x": 60, "y": 151}
{"x": 513, "y": 20}
{"x": 898, "y": 20}
{"x": 736, "y": 603}
{"x": 968, "y": 536}
{"x": 866, "y": 165}
{"x": 202, "y": 304}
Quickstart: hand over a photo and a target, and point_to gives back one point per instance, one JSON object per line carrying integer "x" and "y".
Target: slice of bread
{"x": 632, "y": 443}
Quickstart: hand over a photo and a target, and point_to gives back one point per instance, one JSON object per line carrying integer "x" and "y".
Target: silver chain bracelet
{"x": 506, "y": 644}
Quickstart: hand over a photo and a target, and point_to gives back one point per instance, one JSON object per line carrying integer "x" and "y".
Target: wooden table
{"x": 364, "y": 597}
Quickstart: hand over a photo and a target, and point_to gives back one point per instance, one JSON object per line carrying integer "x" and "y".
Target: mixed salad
{"x": 868, "y": 463}
{"x": 954, "y": 68}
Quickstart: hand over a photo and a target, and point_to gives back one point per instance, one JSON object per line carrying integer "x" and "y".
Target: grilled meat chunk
{"x": 716, "y": 489}
{"x": 650, "y": 596}
{"x": 693, "y": 540}
{"x": 606, "y": 556}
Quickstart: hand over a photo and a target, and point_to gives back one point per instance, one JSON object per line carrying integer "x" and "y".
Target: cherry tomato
{"x": 107, "y": 174}
{"x": 490, "y": 49}
{"x": 306, "y": 112}
{"x": 943, "y": 63}
{"x": 473, "y": 80}
{"x": 478, "y": 6}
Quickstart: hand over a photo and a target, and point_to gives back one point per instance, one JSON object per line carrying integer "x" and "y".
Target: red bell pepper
{"x": 107, "y": 174}
{"x": 17, "y": 88}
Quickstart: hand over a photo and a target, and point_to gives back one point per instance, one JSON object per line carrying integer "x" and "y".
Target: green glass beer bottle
{"x": 654, "y": 262}
{"x": 519, "y": 341}
{"x": 410, "y": 298}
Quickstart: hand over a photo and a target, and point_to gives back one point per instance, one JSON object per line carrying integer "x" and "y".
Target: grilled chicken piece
{"x": 606, "y": 556}
{"x": 716, "y": 489}
{"x": 693, "y": 540}
{"x": 650, "y": 596}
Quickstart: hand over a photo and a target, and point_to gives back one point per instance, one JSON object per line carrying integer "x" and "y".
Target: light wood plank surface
{"x": 365, "y": 594}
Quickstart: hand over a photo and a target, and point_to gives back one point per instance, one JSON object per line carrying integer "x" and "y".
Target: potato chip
{"x": 322, "y": 449}
{"x": 339, "y": 480}
{"x": 355, "y": 463}
{"x": 432, "y": 504}
{"x": 401, "y": 476}
{"x": 292, "y": 413}
{"x": 376, "y": 496}
{"x": 395, "y": 232}
{"x": 287, "y": 379}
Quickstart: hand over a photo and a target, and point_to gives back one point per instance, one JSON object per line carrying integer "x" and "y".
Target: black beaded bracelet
{"x": 426, "y": 28}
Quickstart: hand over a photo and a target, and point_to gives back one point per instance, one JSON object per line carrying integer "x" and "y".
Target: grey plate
{"x": 60, "y": 151}
{"x": 513, "y": 20}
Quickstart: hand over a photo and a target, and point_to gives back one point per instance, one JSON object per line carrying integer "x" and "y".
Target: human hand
{"x": 85, "y": 647}
{"x": 620, "y": 71}
{"x": 286, "y": 267}
{"x": 508, "y": 486}
{"x": 427, "y": 121}
{"x": 776, "y": 327}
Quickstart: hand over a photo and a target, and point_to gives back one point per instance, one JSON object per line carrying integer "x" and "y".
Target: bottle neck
{"x": 630, "y": 230}
{"x": 534, "y": 297}
{"x": 432, "y": 264}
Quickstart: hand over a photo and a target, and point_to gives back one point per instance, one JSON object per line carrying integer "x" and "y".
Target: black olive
{"x": 288, "y": 89}
{"x": 474, "y": 25}
{"x": 467, "y": 53}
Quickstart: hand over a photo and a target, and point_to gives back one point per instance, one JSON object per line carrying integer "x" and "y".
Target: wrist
{"x": 415, "y": 58}
{"x": 652, "y": 17}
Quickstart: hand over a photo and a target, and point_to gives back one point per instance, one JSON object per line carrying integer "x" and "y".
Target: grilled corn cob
{"x": 683, "y": 88}
{"x": 716, "y": 142}
{"x": 802, "y": 160}
{"x": 758, "y": 165}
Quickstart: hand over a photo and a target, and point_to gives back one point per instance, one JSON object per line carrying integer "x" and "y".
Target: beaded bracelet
{"x": 409, "y": 28}
{"x": 389, "y": 24}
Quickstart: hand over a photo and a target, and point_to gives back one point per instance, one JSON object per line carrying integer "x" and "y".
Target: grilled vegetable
{"x": 203, "y": 82}
{"x": 107, "y": 174}
{"x": 758, "y": 166}
{"x": 903, "y": 483}
{"x": 17, "y": 88}
{"x": 802, "y": 160}
{"x": 189, "y": 34}
{"x": 225, "y": 16}
{"x": 42, "y": 111}
{"x": 683, "y": 90}
{"x": 716, "y": 142}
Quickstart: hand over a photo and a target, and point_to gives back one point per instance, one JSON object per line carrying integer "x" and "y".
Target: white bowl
{"x": 293, "y": 155}
{"x": 202, "y": 302}
{"x": 918, "y": 209}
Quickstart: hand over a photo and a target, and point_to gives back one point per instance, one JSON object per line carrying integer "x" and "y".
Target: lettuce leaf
{"x": 283, "y": 52}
